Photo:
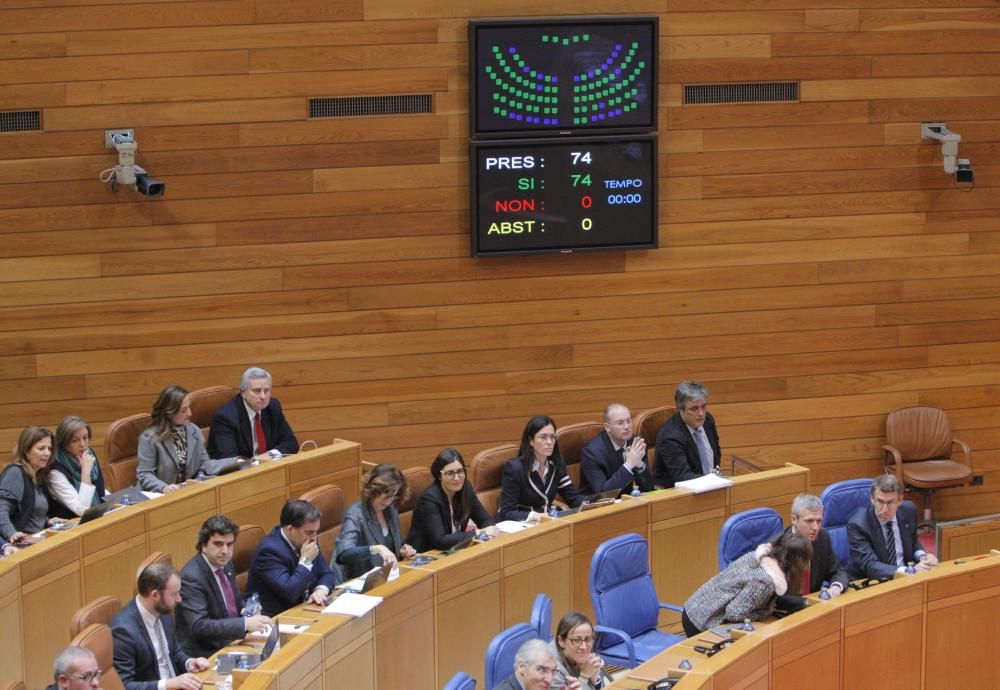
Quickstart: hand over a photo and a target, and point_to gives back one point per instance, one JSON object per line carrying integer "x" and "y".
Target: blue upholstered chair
{"x": 461, "y": 681}
{"x": 840, "y": 500}
{"x": 503, "y": 647}
{"x": 742, "y": 532}
{"x": 541, "y": 617}
{"x": 625, "y": 603}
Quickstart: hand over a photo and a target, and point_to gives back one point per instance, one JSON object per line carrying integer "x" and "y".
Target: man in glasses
{"x": 287, "y": 567}
{"x": 616, "y": 457}
{"x": 883, "y": 535}
{"x": 535, "y": 669}
{"x": 76, "y": 669}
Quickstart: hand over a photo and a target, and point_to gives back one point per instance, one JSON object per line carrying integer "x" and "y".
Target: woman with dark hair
{"x": 575, "y": 655}
{"x": 75, "y": 482}
{"x": 749, "y": 586}
{"x": 24, "y": 507}
{"x": 172, "y": 449}
{"x": 370, "y": 536}
{"x": 531, "y": 480}
{"x": 444, "y": 509}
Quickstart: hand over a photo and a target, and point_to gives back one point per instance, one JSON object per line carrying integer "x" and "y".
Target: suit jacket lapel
{"x": 141, "y": 625}
{"x": 878, "y": 537}
{"x": 246, "y": 429}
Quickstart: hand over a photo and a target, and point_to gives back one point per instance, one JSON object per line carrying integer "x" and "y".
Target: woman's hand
{"x": 17, "y": 537}
{"x": 492, "y": 532}
{"x": 407, "y": 551}
{"x": 86, "y": 466}
{"x": 388, "y": 557}
{"x": 170, "y": 488}
{"x": 591, "y": 667}
{"x": 534, "y": 517}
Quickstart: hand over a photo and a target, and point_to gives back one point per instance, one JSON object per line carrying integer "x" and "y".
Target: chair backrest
{"x": 840, "y": 500}
{"x": 487, "y": 473}
{"x": 541, "y": 616}
{"x": 621, "y": 586}
{"x": 648, "y": 424}
{"x": 100, "y": 610}
{"x": 329, "y": 498}
{"x": 97, "y": 638}
{"x": 461, "y": 681}
{"x": 417, "y": 480}
{"x": 503, "y": 647}
{"x": 121, "y": 445}
{"x": 204, "y": 403}
{"x": 572, "y": 438}
{"x": 155, "y": 557}
{"x": 246, "y": 544}
{"x": 919, "y": 433}
{"x": 743, "y": 532}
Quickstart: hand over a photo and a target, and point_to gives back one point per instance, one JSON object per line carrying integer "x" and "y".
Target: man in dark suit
{"x": 687, "y": 446}
{"x": 534, "y": 669}
{"x": 208, "y": 616}
{"x": 615, "y": 458}
{"x": 883, "y": 535}
{"x": 287, "y": 567}
{"x": 147, "y": 655}
{"x": 252, "y": 423}
{"x": 807, "y": 516}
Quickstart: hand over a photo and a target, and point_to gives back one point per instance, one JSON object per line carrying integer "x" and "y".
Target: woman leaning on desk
{"x": 749, "y": 586}
{"x": 532, "y": 480}
{"x": 370, "y": 536}
{"x": 24, "y": 508}
{"x": 75, "y": 482}
{"x": 444, "y": 509}
{"x": 172, "y": 449}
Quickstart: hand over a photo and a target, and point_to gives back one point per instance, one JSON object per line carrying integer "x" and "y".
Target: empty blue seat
{"x": 840, "y": 500}
{"x": 742, "y": 532}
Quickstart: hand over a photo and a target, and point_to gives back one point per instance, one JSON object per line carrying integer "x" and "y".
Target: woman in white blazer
{"x": 172, "y": 449}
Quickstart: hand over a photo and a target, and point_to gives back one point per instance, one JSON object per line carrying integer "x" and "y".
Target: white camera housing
{"x": 939, "y": 131}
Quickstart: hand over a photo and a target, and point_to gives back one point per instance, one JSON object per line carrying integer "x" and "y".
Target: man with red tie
{"x": 251, "y": 425}
{"x": 208, "y": 616}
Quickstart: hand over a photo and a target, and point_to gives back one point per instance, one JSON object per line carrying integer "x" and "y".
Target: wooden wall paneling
{"x": 202, "y": 13}
{"x": 10, "y": 634}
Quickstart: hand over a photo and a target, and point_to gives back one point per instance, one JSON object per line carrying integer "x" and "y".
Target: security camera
{"x": 127, "y": 172}
{"x": 949, "y": 142}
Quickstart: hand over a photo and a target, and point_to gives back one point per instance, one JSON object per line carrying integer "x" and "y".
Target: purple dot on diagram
{"x": 576, "y": 77}
{"x": 525, "y": 69}
{"x": 618, "y": 46}
{"x": 555, "y": 120}
{"x": 601, "y": 116}
{"x": 614, "y": 54}
{"x": 512, "y": 50}
{"x": 602, "y": 105}
{"x": 512, "y": 116}
{"x": 555, "y": 79}
{"x": 618, "y": 111}
{"x": 590, "y": 75}
{"x": 548, "y": 121}
{"x": 593, "y": 118}
{"x": 520, "y": 117}
{"x": 618, "y": 72}
{"x": 538, "y": 87}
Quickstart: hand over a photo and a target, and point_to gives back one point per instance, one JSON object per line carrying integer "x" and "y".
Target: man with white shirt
{"x": 883, "y": 535}
{"x": 147, "y": 655}
{"x": 252, "y": 423}
{"x": 616, "y": 457}
{"x": 208, "y": 616}
{"x": 687, "y": 446}
{"x": 287, "y": 567}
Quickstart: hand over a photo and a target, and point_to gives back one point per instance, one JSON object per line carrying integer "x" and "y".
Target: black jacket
{"x": 677, "y": 457}
{"x": 602, "y": 468}
{"x": 869, "y": 556}
{"x": 204, "y": 626}
{"x": 430, "y": 527}
{"x": 824, "y": 567}
{"x": 231, "y": 435}
{"x": 518, "y": 494}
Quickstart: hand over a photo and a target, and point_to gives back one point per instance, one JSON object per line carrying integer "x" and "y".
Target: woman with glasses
{"x": 370, "y": 535}
{"x": 574, "y": 649}
{"x": 443, "y": 511}
{"x": 532, "y": 480}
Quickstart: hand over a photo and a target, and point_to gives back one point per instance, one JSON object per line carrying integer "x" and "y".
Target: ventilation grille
{"x": 21, "y": 121}
{"x": 369, "y": 105}
{"x": 746, "y": 92}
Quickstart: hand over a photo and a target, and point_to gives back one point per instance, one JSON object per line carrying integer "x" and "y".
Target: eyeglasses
{"x": 391, "y": 492}
{"x": 885, "y": 504}
{"x": 545, "y": 437}
{"x": 88, "y": 677}
{"x": 580, "y": 641}
{"x": 453, "y": 474}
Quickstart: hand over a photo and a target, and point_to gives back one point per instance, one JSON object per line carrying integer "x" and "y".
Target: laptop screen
{"x": 272, "y": 642}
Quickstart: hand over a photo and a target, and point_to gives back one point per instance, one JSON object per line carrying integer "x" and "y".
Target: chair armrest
{"x": 671, "y": 607}
{"x": 966, "y": 451}
{"x": 624, "y": 637}
{"x": 897, "y": 462}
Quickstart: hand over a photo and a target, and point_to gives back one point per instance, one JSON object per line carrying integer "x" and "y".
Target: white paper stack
{"x": 351, "y": 604}
{"x": 512, "y": 526}
{"x": 708, "y": 482}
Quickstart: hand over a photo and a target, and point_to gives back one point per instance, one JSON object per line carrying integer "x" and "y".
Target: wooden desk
{"x": 914, "y": 632}
{"x": 41, "y": 587}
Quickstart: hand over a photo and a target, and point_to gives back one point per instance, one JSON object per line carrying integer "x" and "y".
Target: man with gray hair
{"x": 535, "y": 669}
{"x": 251, "y": 425}
{"x": 807, "y": 516}
{"x": 687, "y": 446}
{"x": 76, "y": 669}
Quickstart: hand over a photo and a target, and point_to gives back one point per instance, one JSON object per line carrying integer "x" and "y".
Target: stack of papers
{"x": 513, "y": 526}
{"x": 351, "y": 604}
{"x": 709, "y": 482}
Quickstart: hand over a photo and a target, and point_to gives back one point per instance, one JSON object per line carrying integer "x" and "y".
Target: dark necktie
{"x": 227, "y": 593}
{"x": 258, "y": 430}
{"x": 890, "y": 542}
